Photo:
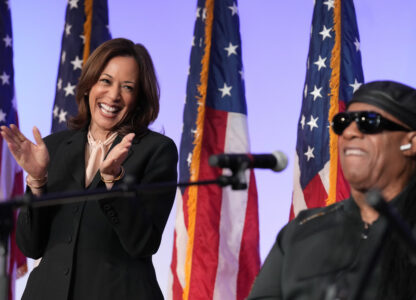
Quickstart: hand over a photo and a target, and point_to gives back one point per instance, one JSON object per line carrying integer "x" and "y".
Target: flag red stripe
{"x": 206, "y": 238}
{"x": 315, "y": 193}
{"x": 249, "y": 260}
{"x": 292, "y": 212}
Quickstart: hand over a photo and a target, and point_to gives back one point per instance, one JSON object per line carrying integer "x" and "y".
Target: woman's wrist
{"x": 36, "y": 182}
{"x": 107, "y": 178}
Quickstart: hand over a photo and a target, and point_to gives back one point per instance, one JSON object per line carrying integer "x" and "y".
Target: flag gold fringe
{"x": 87, "y": 28}
{"x": 196, "y": 153}
{"x": 334, "y": 104}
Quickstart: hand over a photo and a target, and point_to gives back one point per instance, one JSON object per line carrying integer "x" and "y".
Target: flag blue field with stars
{"x": 86, "y": 25}
{"x": 334, "y": 72}
{"x": 216, "y": 253}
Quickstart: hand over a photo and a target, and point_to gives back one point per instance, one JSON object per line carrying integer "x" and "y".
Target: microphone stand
{"x": 126, "y": 190}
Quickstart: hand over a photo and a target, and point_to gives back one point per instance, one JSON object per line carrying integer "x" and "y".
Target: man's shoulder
{"x": 308, "y": 215}
{"x": 314, "y": 220}
{"x": 314, "y": 225}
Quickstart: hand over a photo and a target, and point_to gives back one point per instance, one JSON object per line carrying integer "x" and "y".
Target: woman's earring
{"x": 405, "y": 147}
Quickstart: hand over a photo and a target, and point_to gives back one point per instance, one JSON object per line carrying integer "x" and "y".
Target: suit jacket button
{"x": 69, "y": 239}
{"x": 107, "y": 206}
{"x": 66, "y": 271}
{"x": 114, "y": 220}
{"x": 111, "y": 213}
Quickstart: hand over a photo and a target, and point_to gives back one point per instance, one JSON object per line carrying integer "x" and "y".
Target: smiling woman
{"x": 124, "y": 71}
{"x": 99, "y": 249}
{"x": 113, "y": 95}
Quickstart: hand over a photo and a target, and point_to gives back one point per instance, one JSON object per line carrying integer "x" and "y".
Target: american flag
{"x": 216, "y": 239}
{"x": 86, "y": 27}
{"x": 334, "y": 72}
{"x": 11, "y": 175}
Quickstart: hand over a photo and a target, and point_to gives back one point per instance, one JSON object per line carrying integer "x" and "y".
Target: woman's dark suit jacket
{"x": 98, "y": 249}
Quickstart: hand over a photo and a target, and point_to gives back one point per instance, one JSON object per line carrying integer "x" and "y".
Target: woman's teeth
{"x": 108, "y": 109}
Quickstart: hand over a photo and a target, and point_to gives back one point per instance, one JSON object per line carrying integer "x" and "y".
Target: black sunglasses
{"x": 368, "y": 122}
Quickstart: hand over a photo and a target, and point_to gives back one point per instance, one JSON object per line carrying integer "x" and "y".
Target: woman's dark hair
{"x": 146, "y": 104}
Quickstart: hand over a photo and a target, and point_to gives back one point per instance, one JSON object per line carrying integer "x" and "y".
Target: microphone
{"x": 277, "y": 161}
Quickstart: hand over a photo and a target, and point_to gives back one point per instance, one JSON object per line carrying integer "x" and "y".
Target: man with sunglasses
{"x": 324, "y": 252}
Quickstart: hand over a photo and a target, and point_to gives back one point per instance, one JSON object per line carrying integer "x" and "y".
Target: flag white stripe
{"x": 298, "y": 198}
{"x": 233, "y": 211}
{"x": 181, "y": 239}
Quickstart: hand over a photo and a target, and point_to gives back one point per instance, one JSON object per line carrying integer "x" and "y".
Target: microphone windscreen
{"x": 213, "y": 160}
{"x": 281, "y": 159}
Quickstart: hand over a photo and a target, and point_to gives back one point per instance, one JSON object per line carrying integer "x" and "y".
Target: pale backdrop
{"x": 275, "y": 36}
